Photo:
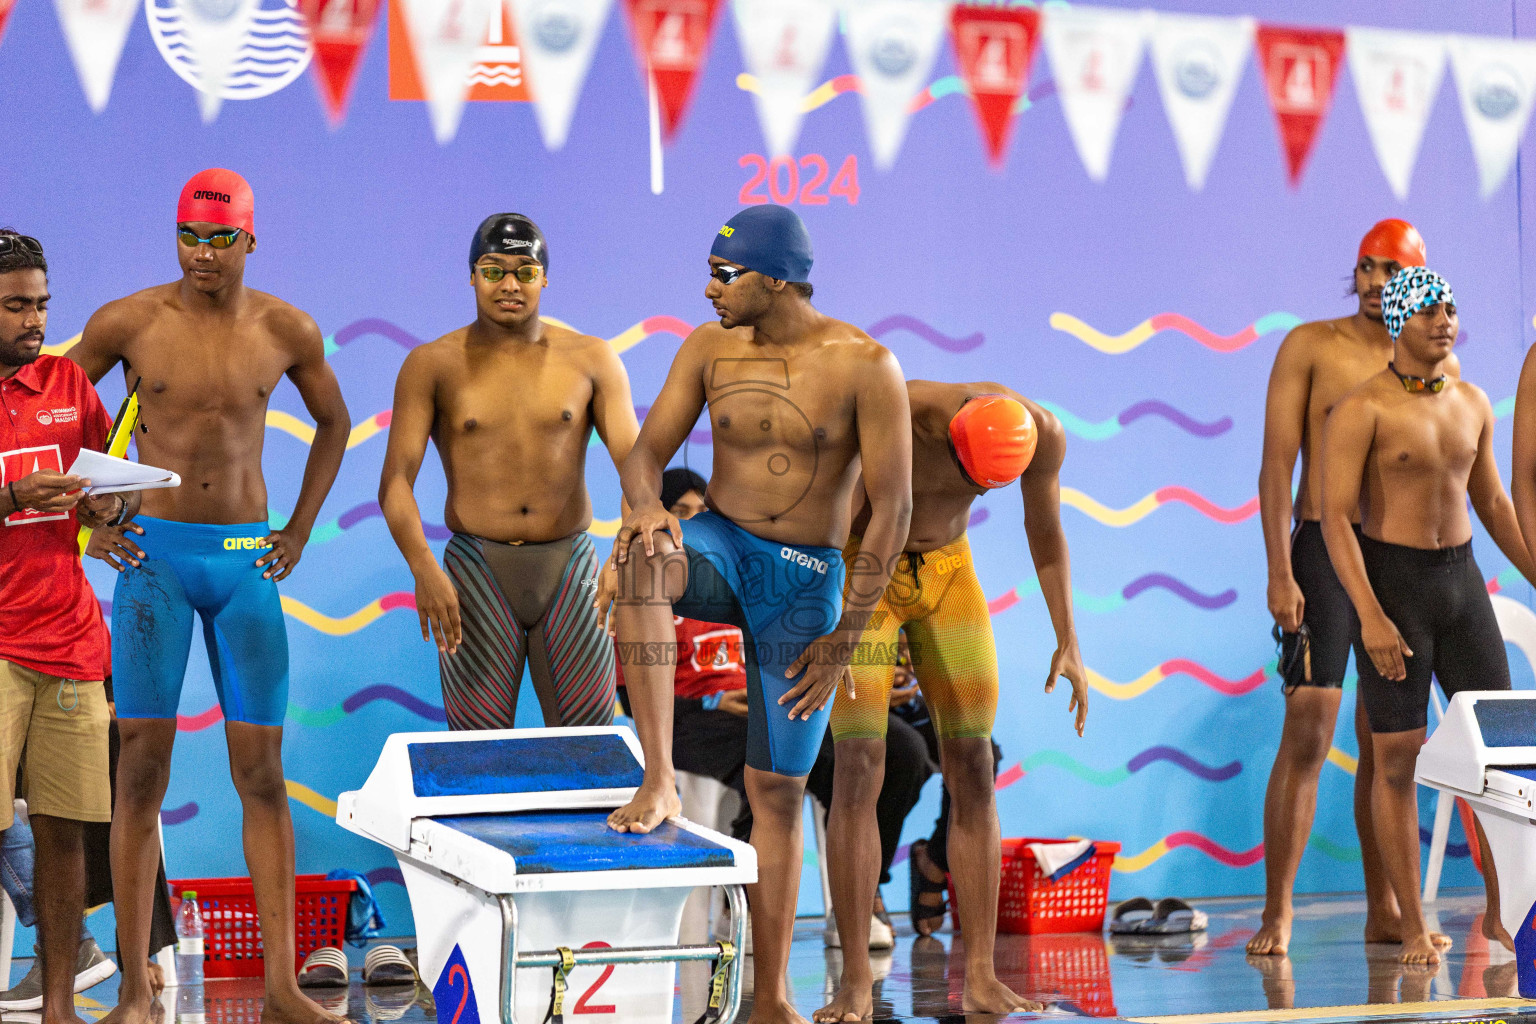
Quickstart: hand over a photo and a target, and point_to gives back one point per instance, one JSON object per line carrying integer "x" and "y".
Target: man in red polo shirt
{"x": 52, "y": 641}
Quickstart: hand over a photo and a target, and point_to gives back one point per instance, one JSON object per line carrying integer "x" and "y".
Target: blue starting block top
{"x": 535, "y": 764}
{"x": 1506, "y": 723}
{"x": 550, "y": 842}
{"x": 1525, "y": 772}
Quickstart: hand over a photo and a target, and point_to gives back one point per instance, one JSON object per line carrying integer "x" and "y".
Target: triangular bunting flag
{"x": 215, "y": 31}
{"x": 1199, "y": 61}
{"x": 672, "y": 39}
{"x": 339, "y": 31}
{"x": 784, "y": 45}
{"x": 96, "y": 31}
{"x": 994, "y": 47}
{"x": 892, "y": 45}
{"x": 445, "y": 38}
{"x": 1397, "y": 77}
{"x": 1497, "y": 82}
{"x": 5, "y": 14}
{"x": 1095, "y": 53}
{"x": 1300, "y": 68}
{"x": 558, "y": 38}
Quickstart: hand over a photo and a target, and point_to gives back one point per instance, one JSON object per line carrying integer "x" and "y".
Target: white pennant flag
{"x": 446, "y": 39}
{"x": 215, "y": 31}
{"x": 1397, "y": 77}
{"x": 1095, "y": 53}
{"x": 1199, "y": 62}
{"x": 96, "y": 31}
{"x": 784, "y": 45}
{"x": 1497, "y": 81}
{"x": 892, "y": 45}
{"x": 557, "y": 38}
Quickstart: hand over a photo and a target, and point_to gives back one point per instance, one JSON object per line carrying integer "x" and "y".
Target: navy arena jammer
{"x": 783, "y": 598}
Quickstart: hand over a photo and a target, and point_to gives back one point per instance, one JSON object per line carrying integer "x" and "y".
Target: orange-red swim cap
{"x": 218, "y": 196}
{"x": 994, "y": 438}
{"x": 1393, "y": 239}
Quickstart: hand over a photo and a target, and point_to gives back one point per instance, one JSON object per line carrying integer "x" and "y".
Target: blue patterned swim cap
{"x": 1410, "y": 290}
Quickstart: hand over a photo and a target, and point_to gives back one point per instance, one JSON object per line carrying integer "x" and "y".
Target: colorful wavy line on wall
{"x": 1120, "y": 344}
{"x": 1106, "y": 429}
{"x": 842, "y": 85}
{"x": 320, "y": 718}
{"x": 1114, "y": 776}
{"x": 297, "y": 792}
{"x": 305, "y": 432}
{"x": 624, "y": 340}
{"x": 1100, "y": 604}
{"x": 324, "y": 533}
{"x": 1176, "y": 840}
{"x": 1176, "y": 667}
{"x": 1119, "y": 517}
{"x": 365, "y": 616}
{"x": 1507, "y": 577}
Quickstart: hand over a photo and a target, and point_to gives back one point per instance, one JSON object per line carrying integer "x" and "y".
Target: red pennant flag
{"x": 1300, "y": 68}
{"x": 994, "y": 47}
{"x": 339, "y": 31}
{"x": 672, "y": 37}
{"x": 5, "y": 13}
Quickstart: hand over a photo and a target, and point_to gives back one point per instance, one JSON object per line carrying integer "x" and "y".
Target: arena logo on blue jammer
{"x": 454, "y": 993}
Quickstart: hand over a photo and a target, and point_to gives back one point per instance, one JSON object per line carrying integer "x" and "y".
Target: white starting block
{"x": 525, "y": 901}
{"x": 1484, "y": 751}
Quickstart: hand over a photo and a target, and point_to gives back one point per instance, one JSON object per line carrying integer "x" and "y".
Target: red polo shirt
{"x": 49, "y": 618}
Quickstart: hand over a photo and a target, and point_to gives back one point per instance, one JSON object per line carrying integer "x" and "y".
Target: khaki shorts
{"x": 67, "y": 773}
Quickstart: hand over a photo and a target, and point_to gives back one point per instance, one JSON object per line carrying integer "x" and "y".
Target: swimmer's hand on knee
{"x": 437, "y": 606}
{"x": 1385, "y": 645}
{"x": 111, "y": 545}
{"x": 285, "y": 548}
{"x": 644, "y": 524}
{"x": 825, "y": 664}
{"x": 1068, "y": 661}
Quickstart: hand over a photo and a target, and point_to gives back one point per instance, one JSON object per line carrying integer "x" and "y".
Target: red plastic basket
{"x": 1029, "y": 903}
{"x": 232, "y": 934}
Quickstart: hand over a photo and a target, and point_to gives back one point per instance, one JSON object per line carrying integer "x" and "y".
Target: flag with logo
{"x": 672, "y": 40}
{"x": 1095, "y": 53}
{"x": 1199, "y": 62}
{"x": 1497, "y": 81}
{"x": 445, "y": 40}
{"x": 1300, "y": 68}
{"x": 339, "y": 31}
{"x": 95, "y": 31}
{"x": 215, "y": 32}
{"x": 1397, "y": 77}
{"x": 5, "y": 14}
{"x": 784, "y": 45}
{"x": 891, "y": 45}
{"x": 557, "y": 39}
{"x": 496, "y": 76}
{"x": 994, "y": 47}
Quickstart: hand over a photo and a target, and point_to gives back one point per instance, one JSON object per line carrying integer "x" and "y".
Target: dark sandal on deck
{"x": 921, "y": 885}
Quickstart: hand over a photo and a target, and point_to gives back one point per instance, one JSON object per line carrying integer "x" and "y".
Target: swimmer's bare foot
{"x": 988, "y": 995}
{"x": 1440, "y": 940}
{"x": 296, "y": 1008}
{"x": 1274, "y": 936}
{"x": 653, "y": 804}
{"x": 1494, "y": 931}
{"x": 133, "y": 1008}
{"x": 1383, "y": 927}
{"x": 1419, "y": 949}
{"x": 775, "y": 1012}
{"x": 853, "y": 1001}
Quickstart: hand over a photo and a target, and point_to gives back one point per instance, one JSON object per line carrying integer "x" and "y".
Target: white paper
{"x": 557, "y": 39}
{"x": 784, "y": 45}
{"x": 892, "y": 45}
{"x": 1397, "y": 76}
{"x": 1095, "y": 53}
{"x": 1497, "y": 80}
{"x": 1199, "y": 62}
{"x": 109, "y": 474}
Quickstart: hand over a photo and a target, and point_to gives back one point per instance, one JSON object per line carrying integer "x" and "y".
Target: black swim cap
{"x": 511, "y": 234}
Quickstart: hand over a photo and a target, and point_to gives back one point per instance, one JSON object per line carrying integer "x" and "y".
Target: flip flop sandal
{"x": 1132, "y": 917}
{"x": 387, "y": 965}
{"x": 1173, "y": 916}
{"x": 921, "y": 885}
{"x": 326, "y": 967}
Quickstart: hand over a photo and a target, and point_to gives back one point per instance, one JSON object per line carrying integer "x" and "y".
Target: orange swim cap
{"x": 1393, "y": 239}
{"x": 994, "y": 439}
{"x": 218, "y": 196}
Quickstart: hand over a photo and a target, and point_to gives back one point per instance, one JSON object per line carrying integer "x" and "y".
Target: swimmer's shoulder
{"x": 291, "y": 327}
{"x": 587, "y": 349}
{"x": 438, "y": 355}
{"x": 1303, "y": 343}
{"x": 856, "y": 348}
{"x": 121, "y": 320}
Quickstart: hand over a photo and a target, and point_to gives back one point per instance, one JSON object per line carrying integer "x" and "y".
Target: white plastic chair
{"x": 1518, "y": 625}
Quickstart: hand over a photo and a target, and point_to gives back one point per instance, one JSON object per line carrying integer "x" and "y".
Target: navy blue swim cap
{"x": 769, "y": 239}
{"x": 510, "y": 234}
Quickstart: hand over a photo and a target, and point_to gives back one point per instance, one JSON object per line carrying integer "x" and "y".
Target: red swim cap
{"x": 994, "y": 438}
{"x": 218, "y": 196}
{"x": 1393, "y": 239}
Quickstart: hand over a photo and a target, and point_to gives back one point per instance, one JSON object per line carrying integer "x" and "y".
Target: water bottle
{"x": 189, "y": 959}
